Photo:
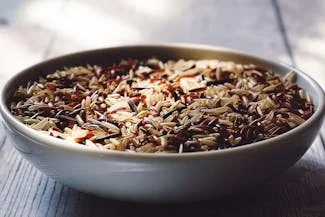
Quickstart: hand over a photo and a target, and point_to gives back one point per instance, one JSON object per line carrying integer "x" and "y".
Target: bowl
{"x": 158, "y": 177}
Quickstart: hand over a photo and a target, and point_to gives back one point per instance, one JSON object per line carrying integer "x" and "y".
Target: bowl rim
{"x": 46, "y": 140}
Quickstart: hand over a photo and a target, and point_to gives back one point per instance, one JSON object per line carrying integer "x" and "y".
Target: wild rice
{"x": 154, "y": 106}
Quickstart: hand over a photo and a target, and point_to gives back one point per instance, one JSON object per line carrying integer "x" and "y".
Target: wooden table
{"x": 34, "y": 30}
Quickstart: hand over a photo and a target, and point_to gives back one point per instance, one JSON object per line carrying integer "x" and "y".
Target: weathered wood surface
{"x": 34, "y": 30}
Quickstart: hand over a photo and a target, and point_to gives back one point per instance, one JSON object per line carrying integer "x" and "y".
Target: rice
{"x": 155, "y": 106}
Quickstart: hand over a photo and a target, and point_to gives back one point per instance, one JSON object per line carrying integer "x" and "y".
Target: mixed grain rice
{"x": 154, "y": 106}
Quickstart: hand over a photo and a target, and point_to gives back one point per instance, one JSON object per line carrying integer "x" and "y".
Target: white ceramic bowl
{"x": 160, "y": 177}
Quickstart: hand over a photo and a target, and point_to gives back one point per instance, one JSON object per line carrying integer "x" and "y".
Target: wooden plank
{"x": 245, "y": 25}
{"x": 8, "y": 10}
{"x": 31, "y": 13}
{"x": 306, "y": 38}
{"x": 304, "y": 23}
{"x": 21, "y": 47}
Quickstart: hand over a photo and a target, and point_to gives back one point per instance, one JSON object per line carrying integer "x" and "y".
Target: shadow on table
{"x": 298, "y": 192}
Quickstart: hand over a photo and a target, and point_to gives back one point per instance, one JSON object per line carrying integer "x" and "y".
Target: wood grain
{"x": 304, "y": 24}
{"x": 248, "y": 25}
{"x": 259, "y": 27}
{"x": 21, "y": 47}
